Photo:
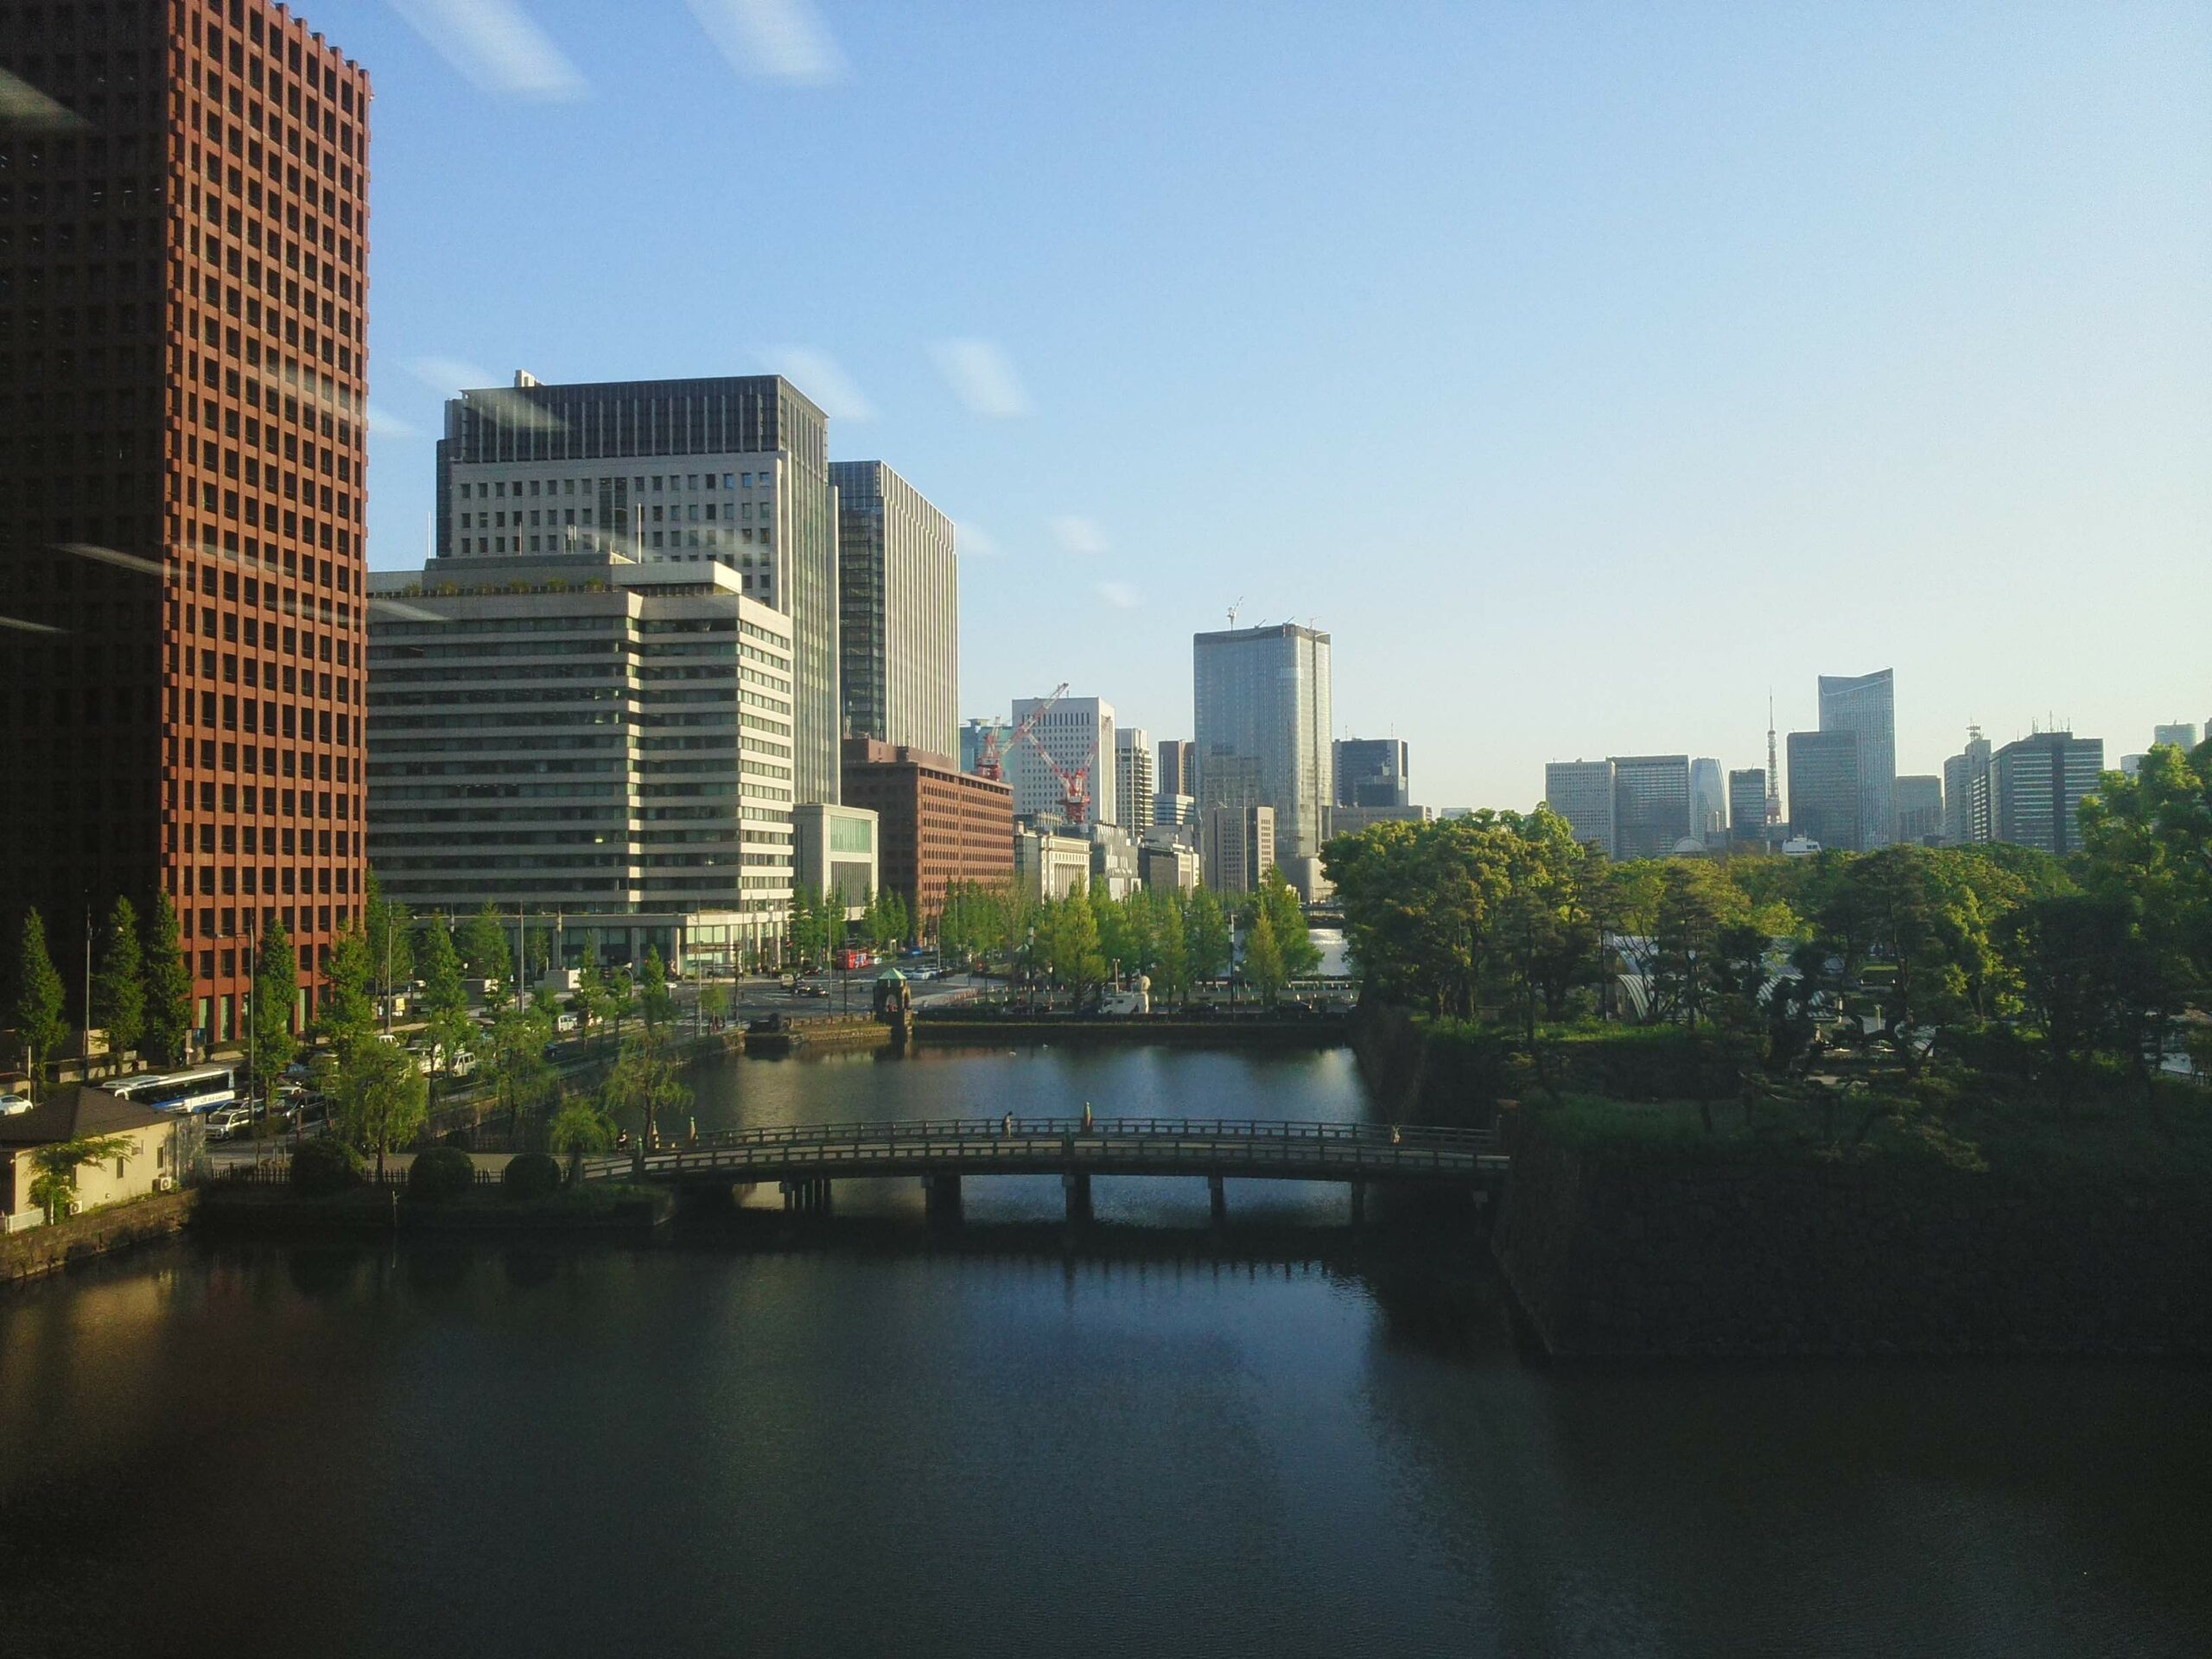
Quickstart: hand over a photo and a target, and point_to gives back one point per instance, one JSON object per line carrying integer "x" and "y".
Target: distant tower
{"x": 1773, "y": 771}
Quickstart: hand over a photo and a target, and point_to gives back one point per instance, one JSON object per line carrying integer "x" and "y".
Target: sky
{"x": 1587, "y": 372}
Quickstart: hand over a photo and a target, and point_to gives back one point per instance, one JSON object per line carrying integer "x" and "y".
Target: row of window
{"x": 553, "y": 516}
{"x": 263, "y": 761}
{"x": 497, "y": 489}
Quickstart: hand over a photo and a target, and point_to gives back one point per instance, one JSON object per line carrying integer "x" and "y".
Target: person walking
{"x": 1086, "y": 1117}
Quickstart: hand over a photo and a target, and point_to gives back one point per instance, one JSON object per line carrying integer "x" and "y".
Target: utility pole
{"x": 85, "y": 1059}
{"x": 387, "y": 970}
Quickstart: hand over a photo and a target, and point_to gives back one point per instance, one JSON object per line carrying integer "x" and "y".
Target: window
{"x": 656, "y": 485}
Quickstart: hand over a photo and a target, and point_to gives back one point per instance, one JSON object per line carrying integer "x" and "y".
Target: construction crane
{"x": 1075, "y": 786}
{"x": 991, "y": 762}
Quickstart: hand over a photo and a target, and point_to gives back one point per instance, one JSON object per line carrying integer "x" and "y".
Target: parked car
{"x": 565, "y": 1022}
{"x": 225, "y": 1121}
{"x": 14, "y": 1105}
{"x": 315, "y": 1116}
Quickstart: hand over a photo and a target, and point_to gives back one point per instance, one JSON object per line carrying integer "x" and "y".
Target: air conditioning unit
{"x": 164, "y": 1181}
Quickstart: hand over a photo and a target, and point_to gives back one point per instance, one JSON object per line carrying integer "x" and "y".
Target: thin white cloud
{"x": 1119, "y": 594}
{"x": 495, "y": 45}
{"x": 139, "y": 563}
{"x": 779, "y": 39}
{"x": 982, "y": 376}
{"x": 383, "y": 424}
{"x": 448, "y": 375}
{"x": 30, "y": 627}
{"x": 817, "y": 375}
{"x": 24, "y": 108}
{"x": 1081, "y": 536}
{"x": 975, "y": 543}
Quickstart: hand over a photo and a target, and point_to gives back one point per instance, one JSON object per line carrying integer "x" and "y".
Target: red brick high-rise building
{"x": 183, "y": 288}
{"x": 935, "y": 823}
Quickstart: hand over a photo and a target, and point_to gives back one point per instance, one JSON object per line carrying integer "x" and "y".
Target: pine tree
{"x": 167, "y": 1002}
{"x": 483, "y": 945}
{"x": 40, "y": 1020}
{"x": 346, "y": 1016}
{"x": 119, "y": 985}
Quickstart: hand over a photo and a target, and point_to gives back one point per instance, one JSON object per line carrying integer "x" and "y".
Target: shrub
{"x": 322, "y": 1168}
{"x": 441, "y": 1173}
{"x": 530, "y": 1175}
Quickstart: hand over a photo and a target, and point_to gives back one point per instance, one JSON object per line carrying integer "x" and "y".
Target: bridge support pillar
{"x": 1076, "y": 1183}
{"x": 1358, "y": 1203}
{"x": 807, "y": 1198}
{"x": 942, "y": 1197}
{"x": 1217, "y": 1196}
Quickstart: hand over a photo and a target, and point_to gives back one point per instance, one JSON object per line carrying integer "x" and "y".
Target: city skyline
{"x": 1833, "y": 399}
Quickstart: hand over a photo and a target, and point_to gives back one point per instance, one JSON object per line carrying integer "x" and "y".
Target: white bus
{"x": 202, "y": 1090}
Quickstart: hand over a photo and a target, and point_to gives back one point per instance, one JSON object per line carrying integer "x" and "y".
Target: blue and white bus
{"x": 202, "y": 1090}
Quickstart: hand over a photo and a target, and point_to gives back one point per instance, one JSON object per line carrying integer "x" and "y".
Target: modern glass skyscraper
{"x": 1581, "y": 791}
{"x": 1373, "y": 772}
{"x": 1825, "y": 797}
{"x": 1920, "y": 808}
{"x": 1866, "y": 704}
{"x": 184, "y": 206}
{"x": 1651, "y": 805}
{"x": 733, "y": 471}
{"x": 1747, "y": 806}
{"x": 897, "y": 611}
{"x": 1263, "y": 710}
{"x": 1708, "y": 803}
{"x": 1966, "y": 791}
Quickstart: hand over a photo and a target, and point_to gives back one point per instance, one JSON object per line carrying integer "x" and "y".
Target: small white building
{"x": 1049, "y": 864}
{"x": 836, "y": 850}
{"x": 160, "y": 1144}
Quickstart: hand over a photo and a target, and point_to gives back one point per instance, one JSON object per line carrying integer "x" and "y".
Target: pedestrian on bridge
{"x": 1086, "y": 1117}
{"x": 1008, "y": 1127}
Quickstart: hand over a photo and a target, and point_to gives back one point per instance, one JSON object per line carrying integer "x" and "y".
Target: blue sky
{"x": 1585, "y": 371}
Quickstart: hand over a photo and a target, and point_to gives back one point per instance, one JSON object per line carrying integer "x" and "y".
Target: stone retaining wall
{"x": 1609, "y": 1254}
{"x": 44, "y": 1249}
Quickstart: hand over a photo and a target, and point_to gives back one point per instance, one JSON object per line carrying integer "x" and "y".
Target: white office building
{"x": 1079, "y": 735}
{"x": 1133, "y": 781}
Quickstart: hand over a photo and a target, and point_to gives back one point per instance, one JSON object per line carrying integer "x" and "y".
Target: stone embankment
{"x": 115, "y": 1227}
{"x": 1615, "y": 1252}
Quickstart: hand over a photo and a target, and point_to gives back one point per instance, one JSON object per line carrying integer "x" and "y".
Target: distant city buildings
{"x": 1132, "y": 779}
{"x": 2181, "y": 735}
{"x": 1708, "y": 803}
{"x": 1237, "y": 845}
{"x": 1048, "y": 862}
{"x": 1651, "y": 805}
{"x": 1263, "y": 711}
{"x": 1919, "y": 809}
{"x": 731, "y": 472}
{"x": 1747, "y": 825}
{"x": 1826, "y": 800}
{"x": 1078, "y": 734}
{"x": 1372, "y": 772}
{"x": 975, "y": 740}
{"x": 1351, "y": 820}
{"x": 1865, "y": 705}
{"x": 1167, "y": 866}
{"x": 1178, "y": 771}
{"x": 897, "y": 611}
{"x": 1581, "y": 791}
{"x": 2037, "y": 785}
{"x": 1965, "y": 792}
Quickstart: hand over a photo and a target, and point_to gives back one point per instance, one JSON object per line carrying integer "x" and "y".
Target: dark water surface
{"x": 870, "y": 1445}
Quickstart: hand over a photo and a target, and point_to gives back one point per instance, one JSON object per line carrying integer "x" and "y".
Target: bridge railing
{"x": 978, "y": 1143}
{"x": 919, "y": 1130}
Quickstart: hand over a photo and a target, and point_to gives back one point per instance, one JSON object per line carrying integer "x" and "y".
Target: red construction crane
{"x": 1075, "y": 786}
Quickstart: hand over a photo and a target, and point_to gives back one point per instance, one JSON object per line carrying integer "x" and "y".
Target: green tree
{"x": 579, "y": 1129}
{"x": 1171, "y": 957}
{"x": 483, "y": 946}
{"x": 644, "y": 1082}
{"x": 120, "y": 984}
{"x": 1912, "y": 908}
{"x": 1696, "y": 900}
{"x": 522, "y": 1077}
{"x": 1263, "y": 967}
{"x": 383, "y": 1099}
{"x": 53, "y": 1180}
{"x": 714, "y": 1002}
{"x": 1286, "y": 916}
{"x": 388, "y": 930}
{"x": 41, "y": 1021}
{"x": 276, "y": 997}
{"x": 445, "y": 1004}
{"x": 655, "y": 1001}
{"x": 166, "y": 1020}
{"x": 1071, "y": 956}
{"x": 589, "y": 998}
{"x": 1208, "y": 943}
{"x": 346, "y": 1015}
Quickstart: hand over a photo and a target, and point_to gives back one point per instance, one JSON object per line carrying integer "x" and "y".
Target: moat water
{"x": 853, "y": 1439}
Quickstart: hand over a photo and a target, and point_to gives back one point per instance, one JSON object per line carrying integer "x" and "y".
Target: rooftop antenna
{"x": 1773, "y": 768}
